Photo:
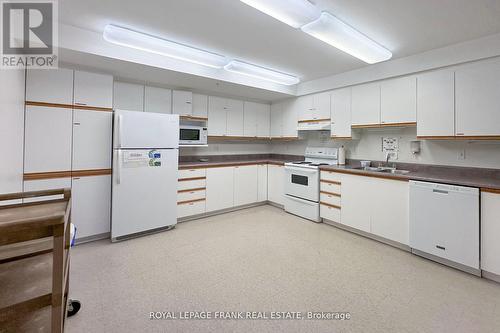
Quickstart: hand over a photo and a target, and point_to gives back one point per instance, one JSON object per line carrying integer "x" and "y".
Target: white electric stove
{"x": 302, "y": 182}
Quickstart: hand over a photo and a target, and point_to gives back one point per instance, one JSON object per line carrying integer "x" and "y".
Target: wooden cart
{"x": 34, "y": 260}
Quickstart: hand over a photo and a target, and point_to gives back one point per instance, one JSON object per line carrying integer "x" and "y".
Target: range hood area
{"x": 314, "y": 125}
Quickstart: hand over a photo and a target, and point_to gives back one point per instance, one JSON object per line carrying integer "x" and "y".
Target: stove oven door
{"x": 302, "y": 183}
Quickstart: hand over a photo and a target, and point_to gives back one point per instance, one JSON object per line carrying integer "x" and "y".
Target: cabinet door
{"x": 276, "y": 184}
{"x": 157, "y": 100}
{"x": 341, "y": 113}
{"x": 356, "y": 202}
{"x": 276, "y": 128}
{"x": 366, "y": 104}
{"x": 304, "y": 105}
{"x": 477, "y": 97}
{"x": 246, "y": 185}
{"x": 398, "y": 100}
{"x": 321, "y": 105}
{"x": 182, "y": 102}
{"x": 290, "y": 119}
{"x": 220, "y": 185}
{"x": 200, "y": 105}
{"x": 250, "y": 119}
{"x": 91, "y": 205}
{"x": 54, "y": 86}
{"x": 390, "y": 211}
{"x": 92, "y": 139}
{"x": 436, "y": 104}
{"x": 48, "y": 134}
{"x": 490, "y": 232}
{"x": 262, "y": 180}
{"x": 46, "y": 184}
{"x": 217, "y": 120}
{"x": 128, "y": 96}
{"x": 93, "y": 89}
{"x": 263, "y": 120}
{"x": 234, "y": 117}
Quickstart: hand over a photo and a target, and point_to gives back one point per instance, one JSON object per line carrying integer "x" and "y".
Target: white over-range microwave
{"x": 192, "y": 135}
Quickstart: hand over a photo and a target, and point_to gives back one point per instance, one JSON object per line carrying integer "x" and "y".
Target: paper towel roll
{"x": 341, "y": 155}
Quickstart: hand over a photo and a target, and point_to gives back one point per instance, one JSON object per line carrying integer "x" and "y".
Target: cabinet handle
{"x": 77, "y": 103}
{"x": 76, "y": 124}
{"x": 76, "y": 178}
{"x": 188, "y": 102}
{"x": 460, "y": 133}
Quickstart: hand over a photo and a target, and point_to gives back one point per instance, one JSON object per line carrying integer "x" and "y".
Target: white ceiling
{"x": 231, "y": 28}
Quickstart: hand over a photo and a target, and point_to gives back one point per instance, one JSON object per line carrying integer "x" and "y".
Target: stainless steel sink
{"x": 384, "y": 170}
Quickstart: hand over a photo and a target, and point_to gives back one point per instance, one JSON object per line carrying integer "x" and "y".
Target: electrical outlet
{"x": 461, "y": 154}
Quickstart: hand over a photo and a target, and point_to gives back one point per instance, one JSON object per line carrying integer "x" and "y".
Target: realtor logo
{"x": 29, "y": 34}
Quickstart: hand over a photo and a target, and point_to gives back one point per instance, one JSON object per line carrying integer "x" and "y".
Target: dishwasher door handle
{"x": 440, "y": 191}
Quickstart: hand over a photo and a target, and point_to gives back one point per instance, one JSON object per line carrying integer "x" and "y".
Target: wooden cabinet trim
{"x": 92, "y": 108}
{"x": 490, "y": 190}
{"x": 185, "y": 117}
{"x": 88, "y": 173}
{"x": 331, "y": 193}
{"x": 192, "y": 190}
{"x": 436, "y": 137}
{"x": 314, "y": 120}
{"x": 190, "y": 201}
{"x": 68, "y": 106}
{"x": 46, "y": 175}
{"x": 330, "y": 205}
{"x": 460, "y": 137}
{"x": 408, "y": 124}
{"x": 331, "y": 182}
{"x": 192, "y": 178}
{"x": 374, "y": 175}
{"x": 341, "y": 137}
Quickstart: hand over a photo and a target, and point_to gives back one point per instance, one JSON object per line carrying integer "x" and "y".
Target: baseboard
{"x": 221, "y": 211}
{"x": 365, "y": 234}
{"x": 142, "y": 233}
{"x": 92, "y": 238}
{"x": 491, "y": 276}
{"x": 447, "y": 262}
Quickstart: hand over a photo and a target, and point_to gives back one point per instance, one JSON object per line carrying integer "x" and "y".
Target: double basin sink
{"x": 393, "y": 171}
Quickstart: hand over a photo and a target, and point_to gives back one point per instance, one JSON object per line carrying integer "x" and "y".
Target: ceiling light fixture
{"x": 295, "y": 13}
{"x": 333, "y": 31}
{"x": 261, "y": 73}
{"x": 144, "y": 42}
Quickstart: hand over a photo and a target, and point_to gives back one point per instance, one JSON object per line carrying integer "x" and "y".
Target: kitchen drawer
{"x": 191, "y": 195}
{"x": 192, "y": 173}
{"x": 332, "y": 176}
{"x": 191, "y": 184}
{"x": 330, "y": 199}
{"x": 191, "y": 208}
{"x": 330, "y": 213}
{"x": 330, "y": 187}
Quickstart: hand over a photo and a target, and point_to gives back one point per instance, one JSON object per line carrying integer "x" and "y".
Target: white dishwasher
{"x": 444, "y": 222}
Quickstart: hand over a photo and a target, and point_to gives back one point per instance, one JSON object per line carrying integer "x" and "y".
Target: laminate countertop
{"x": 188, "y": 162}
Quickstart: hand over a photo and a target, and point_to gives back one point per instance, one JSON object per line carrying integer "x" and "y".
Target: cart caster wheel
{"x": 73, "y": 307}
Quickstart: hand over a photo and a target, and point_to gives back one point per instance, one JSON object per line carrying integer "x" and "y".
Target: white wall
{"x": 369, "y": 146}
{"x": 228, "y": 148}
{"x": 11, "y": 130}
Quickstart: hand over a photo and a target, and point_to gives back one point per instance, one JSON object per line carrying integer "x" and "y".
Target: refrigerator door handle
{"x": 119, "y": 131}
{"x": 119, "y": 167}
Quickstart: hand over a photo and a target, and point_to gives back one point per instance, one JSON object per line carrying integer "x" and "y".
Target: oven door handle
{"x": 304, "y": 170}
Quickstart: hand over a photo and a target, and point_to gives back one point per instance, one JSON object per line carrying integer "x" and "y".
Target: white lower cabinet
{"x": 91, "y": 205}
{"x": 262, "y": 180}
{"x": 276, "y": 184}
{"x": 490, "y": 232}
{"x": 246, "y": 185}
{"x": 46, "y": 184}
{"x": 190, "y": 208}
{"x": 220, "y": 185}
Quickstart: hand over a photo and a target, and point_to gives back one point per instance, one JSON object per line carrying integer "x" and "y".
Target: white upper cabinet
{"x": 50, "y": 86}
{"x": 157, "y": 100}
{"x": 263, "y": 120}
{"x": 182, "y": 102}
{"x": 436, "y": 104}
{"x": 304, "y": 105}
{"x": 398, "y": 100}
{"x": 341, "y": 113}
{"x": 276, "y": 129}
{"x": 217, "y": 118}
{"x": 321, "y": 106}
{"x": 477, "y": 97}
{"x": 250, "y": 119}
{"x": 234, "y": 117}
{"x": 366, "y": 104}
{"x": 246, "y": 184}
{"x": 128, "y": 96}
{"x": 200, "y": 106}
{"x": 290, "y": 119}
{"x": 95, "y": 90}
{"x": 92, "y": 139}
{"x": 48, "y": 133}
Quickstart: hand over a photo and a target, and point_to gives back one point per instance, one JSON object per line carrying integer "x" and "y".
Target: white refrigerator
{"x": 145, "y": 167}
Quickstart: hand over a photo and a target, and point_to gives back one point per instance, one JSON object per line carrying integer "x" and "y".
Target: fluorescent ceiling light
{"x": 261, "y": 73}
{"x": 333, "y": 31}
{"x": 295, "y": 13}
{"x": 148, "y": 43}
